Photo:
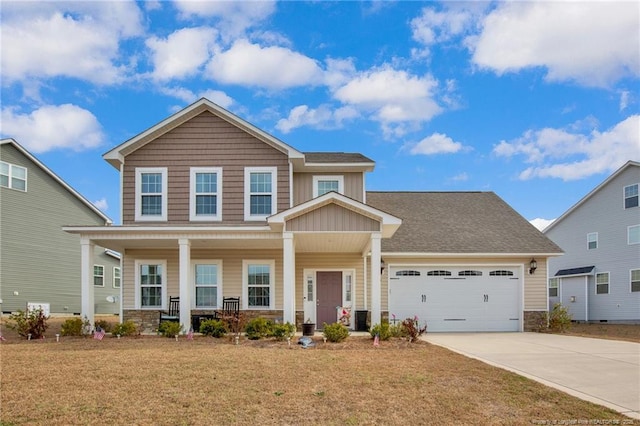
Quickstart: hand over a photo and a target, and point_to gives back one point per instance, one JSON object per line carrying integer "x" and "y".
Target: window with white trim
{"x": 635, "y": 280}
{"x": 324, "y": 184}
{"x": 151, "y": 194}
{"x": 150, "y": 283}
{"x": 592, "y": 240}
{"x": 602, "y": 283}
{"x": 348, "y": 287}
{"x": 116, "y": 277}
{"x": 258, "y": 282}
{"x": 553, "y": 287}
{"x": 633, "y": 234}
{"x": 98, "y": 275}
{"x": 205, "y": 193}
{"x": 260, "y": 192}
{"x": 13, "y": 176}
{"x": 207, "y": 278}
{"x": 631, "y": 196}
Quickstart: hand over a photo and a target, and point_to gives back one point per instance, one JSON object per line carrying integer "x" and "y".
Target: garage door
{"x": 460, "y": 298}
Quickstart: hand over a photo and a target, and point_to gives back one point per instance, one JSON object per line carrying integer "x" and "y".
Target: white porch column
{"x": 376, "y": 292}
{"x": 87, "y": 306}
{"x": 185, "y": 283}
{"x": 289, "y": 278}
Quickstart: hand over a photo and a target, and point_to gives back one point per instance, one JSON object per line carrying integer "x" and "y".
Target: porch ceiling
{"x": 331, "y": 242}
{"x": 172, "y": 243}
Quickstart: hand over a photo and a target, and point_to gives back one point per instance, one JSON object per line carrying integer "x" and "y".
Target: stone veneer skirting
{"x": 535, "y": 320}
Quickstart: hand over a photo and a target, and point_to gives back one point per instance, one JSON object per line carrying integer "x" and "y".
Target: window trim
{"x": 138, "y": 202}
{"x": 624, "y": 196}
{"x": 589, "y": 241}
{"x": 245, "y": 283}
{"x": 608, "y": 283}
{"x": 192, "y": 194}
{"x": 10, "y": 176}
{"x": 631, "y": 280}
{"x": 247, "y": 192}
{"x": 113, "y": 280}
{"x": 163, "y": 286}
{"x": 554, "y": 283}
{"x": 98, "y": 276}
{"x": 318, "y": 178}
{"x": 219, "y": 275}
{"x": 629, "y": 243}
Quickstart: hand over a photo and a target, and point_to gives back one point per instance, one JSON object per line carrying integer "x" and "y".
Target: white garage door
{"x": 458, "y": 298}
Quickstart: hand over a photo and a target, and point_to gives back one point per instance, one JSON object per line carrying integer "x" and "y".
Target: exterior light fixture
{"x": 382, "y": 266}
{"x": 533, "y": 265}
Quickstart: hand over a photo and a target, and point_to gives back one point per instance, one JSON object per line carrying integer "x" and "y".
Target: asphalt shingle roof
{"x": 336, "y": 157}
{"x": 458, "y": 222}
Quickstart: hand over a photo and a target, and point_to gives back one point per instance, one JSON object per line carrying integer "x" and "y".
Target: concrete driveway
{"x": 606, "y": 372}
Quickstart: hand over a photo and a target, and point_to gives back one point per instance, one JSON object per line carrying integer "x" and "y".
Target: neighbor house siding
{"x": 332, "y": 218}
{"x": 204, "y": 141}
{"x": 39, "y": 260}
{"x": 303, "y": 185}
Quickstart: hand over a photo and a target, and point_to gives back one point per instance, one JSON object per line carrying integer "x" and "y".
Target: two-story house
{"x": 39, "y": 262}
{"x": 215, "y": 207}
{"x": 598, "y": 278}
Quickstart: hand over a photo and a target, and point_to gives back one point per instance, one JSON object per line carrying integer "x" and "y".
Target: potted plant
{"x": 308, "y": 328}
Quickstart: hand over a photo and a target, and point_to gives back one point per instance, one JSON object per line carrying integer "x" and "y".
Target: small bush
{"x": 283, "y": 331}
{"x": 169, "y": 328}
{"x": 382, "y": 330}
{"x": 32, "y": 323}
{"x": 74, "y": 327}
{"x": 335, "y": 332}
{"x": 214, "y": 328}
{"x": 127, "y": 328}
{"x": 412, "y": 328}
{"x": 105, "y": 325}
{"x": 258, "y": 328}
{"x": 559, "y": 319}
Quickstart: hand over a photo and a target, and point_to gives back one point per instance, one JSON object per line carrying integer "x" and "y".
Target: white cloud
{"x": 320, "y": 118}
{"x": 559, "y": 153}
{"x": 215, "y": 96}
{"x": 269, "y": 67}
{"x": 53, "y": 127}
{"x": 101, "y": 204}
{"x": 182, "y": 52}
{"x": 540, "y": 223}
{"x": 593, "y": 43}
{"x": 460, "y": 177}
{"x": 434, "y": 26}
{"x": 625, "y": 99}
{"x": 437, "y": 143}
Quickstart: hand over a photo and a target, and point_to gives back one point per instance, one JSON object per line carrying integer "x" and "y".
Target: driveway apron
{"x": 606, "y": 372}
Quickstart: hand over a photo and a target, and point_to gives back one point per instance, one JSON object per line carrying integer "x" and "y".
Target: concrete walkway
{"x": 606, "y": 372}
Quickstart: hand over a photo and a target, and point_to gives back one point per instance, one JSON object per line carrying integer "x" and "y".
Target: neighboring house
{"x": 39, "y": 262}
{"x": 598, "y": 278}
{"x": 214, "y": 207}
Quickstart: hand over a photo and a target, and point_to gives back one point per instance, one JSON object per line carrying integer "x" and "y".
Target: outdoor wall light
{"x": 533, "y": 265}
{"x": 382, "y": 266}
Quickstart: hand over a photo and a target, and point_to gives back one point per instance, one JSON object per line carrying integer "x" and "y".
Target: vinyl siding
{"x": 303, "y": 186}
{"x": 332, "y": 218}
{"x": 204, "y": 141}
{"x": 39, "y": 260}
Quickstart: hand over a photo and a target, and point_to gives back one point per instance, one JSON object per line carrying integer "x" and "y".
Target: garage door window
{"x": 501, "y": 273}
{"x": 439, "y": 273}
{"x": 408, "y": 274}
{"x": 470, "y": 273}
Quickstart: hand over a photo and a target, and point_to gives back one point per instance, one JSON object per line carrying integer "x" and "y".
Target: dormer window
{"x": 631, "y": 196}
{"x": 151, "y": 194}
{"x": 260, "y": 192}
{"x": 205, "y": 194}
{"x": 324, "y": 184}
{"x": 13, "y": 177}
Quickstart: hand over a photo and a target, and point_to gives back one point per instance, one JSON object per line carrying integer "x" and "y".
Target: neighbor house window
{"x": 631, "y": 196}
{"x": 592, "y": 240}
{"x": 258, "y": 284}
{"x": 12, "y": 176}
{"x": 635, "y": 280}
{"x": 207, "y": 283}
{"x": 98, "y": 275}
{"x": 553, "y": 287}
{"x": 150, "y": 280}
{"x": 151, "y": 194}
{"x": 116, "y": 277}
{"x": 602, "y": 283}
{"x": 324, "y": 184}
{"x": 205, "y": 193}
{"x": 260, "y": 192}
{"x": 633, "y": 234}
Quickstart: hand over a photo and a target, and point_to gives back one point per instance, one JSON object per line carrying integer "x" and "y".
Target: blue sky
{"x": 536, "y": 101}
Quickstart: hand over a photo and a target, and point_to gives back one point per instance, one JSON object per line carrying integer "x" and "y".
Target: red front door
{"x": 328, "y": 297}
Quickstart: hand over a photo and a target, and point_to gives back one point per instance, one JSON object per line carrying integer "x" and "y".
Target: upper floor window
{"x": 13, "y": 177}
{"x": 98, "y": 275}
{"x": 635, "y": 280}
{"x": 553, "y": 287}
{"x": 592, "y": 240}
{"x": 633, "y": 234}
{"x": 205, "y": 193}
{"x": 324, "y": 184}
{"x": 151, "y": 193}
{"x": 631, "y": 196}
{"x": 260, "y": 192}
{"x": 602, "y": 283}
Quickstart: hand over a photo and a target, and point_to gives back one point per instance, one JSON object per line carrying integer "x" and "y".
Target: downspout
{"x": 586, "y": 298}
{"x": 121, "y": 254}
{"x": 366, "y": 280}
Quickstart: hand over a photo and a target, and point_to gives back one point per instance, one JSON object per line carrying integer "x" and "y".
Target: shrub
{"x": 27, "y": 323}
{"x": 382, "y": 330}
{"x": 127, "y": 328}
{"x": 169, "y": 328}
{"x": 284, "y": 331}
{"x": 258, "y": 328}
{"x": 335, "y": 332}
{"x": 413, "y": 329}
{"x": 213, "y": 327}
{"x": 104, "y": 324}
{"x": 74, "y": 327}
{"x": 559, "y": 319}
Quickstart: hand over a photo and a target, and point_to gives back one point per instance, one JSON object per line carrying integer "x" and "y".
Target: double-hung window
{"x": 324, "y": 184}
{"x": 208, "y": 283}
{"x": 13, "y": 177}
{"x": 635, "y": 280}
{"x": 602, "y": 283}
{"x": 205, "y": 201}
{"x": 116, "y": 277}
{"x": 553, "y": 287}
{"x": 633, "y": 234}
{"x": 260, "y": 192}
{"x": 592, "y": 240}
{"x": 151, "y": 194}
{"x": 258, "y": 284}
{"x": 98, "y": 275}
{"x": 150, "y": 283}
{"x": 631, "y": 196}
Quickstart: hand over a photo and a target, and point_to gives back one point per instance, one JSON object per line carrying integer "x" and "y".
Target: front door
{"x": 328, "y": 296}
